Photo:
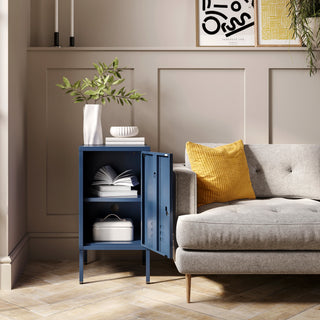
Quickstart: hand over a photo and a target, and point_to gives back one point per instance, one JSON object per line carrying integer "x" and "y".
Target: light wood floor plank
{"x": 117, "y": 290}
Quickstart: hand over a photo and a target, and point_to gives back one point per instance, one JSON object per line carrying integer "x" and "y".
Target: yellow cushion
{"x": 222, "y": 172}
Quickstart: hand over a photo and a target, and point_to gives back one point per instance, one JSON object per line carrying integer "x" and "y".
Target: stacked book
{"x": 108, "y": 184}
{"x": 125, "y": 141}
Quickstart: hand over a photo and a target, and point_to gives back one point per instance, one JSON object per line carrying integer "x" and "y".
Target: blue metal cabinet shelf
{"x": 112, "y": 199}
{"x": 123, "y": 245}
{"x": 151, "y": 212}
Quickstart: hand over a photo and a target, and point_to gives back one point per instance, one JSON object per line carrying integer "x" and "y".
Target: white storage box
{"x": 113, "y": 229}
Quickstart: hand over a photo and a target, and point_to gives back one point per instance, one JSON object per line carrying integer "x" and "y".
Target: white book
{"x": 111, "y": 187}
{"x": 124, "y": 139}
{"x": 119, "y": 193}
{"x": 107, "y": 175}
{"x": 133, "y": 143}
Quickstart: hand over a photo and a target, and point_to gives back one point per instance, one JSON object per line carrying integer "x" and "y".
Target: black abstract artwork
{"x": 223, "y": 22}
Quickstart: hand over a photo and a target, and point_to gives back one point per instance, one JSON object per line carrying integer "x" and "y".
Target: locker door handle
{"x": 166, "y": 209}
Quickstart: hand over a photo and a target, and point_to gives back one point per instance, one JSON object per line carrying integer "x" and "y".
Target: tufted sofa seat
{"x": 264, "y": 224}
{"x": 279, "y": 232}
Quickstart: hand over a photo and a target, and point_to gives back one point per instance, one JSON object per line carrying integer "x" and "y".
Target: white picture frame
{"x": 225, "y": 23}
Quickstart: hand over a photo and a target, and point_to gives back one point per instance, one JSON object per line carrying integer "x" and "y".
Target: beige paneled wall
{"x": 294, "y": 106}
{"x": 18, "y": 43}
{"x": 201, "y": 104}
{"x": 19, "y": 40}
{"x": 260, "y": 95}
{"x": 102, "y": 23}
{"x": 14, "y": 36}
{"x": 4, "y": 124}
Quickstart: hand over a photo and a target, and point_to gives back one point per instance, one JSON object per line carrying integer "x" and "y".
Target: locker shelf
{"x": 114, "y": 245}
{"x": 112, "y": 199}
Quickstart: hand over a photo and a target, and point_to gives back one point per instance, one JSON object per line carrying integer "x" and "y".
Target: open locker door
{"x": 157, "y": 202}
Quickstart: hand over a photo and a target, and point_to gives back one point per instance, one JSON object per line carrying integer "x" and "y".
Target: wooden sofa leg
{"x": 188, "y": 286}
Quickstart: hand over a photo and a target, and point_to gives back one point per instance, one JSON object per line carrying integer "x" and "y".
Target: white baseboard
{"x": 11, "y": 266}
{"x": 5, "y": 273}
{"x": 19, "y": 259}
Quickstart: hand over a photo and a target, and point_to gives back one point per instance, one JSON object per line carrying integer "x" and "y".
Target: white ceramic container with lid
{"x": 111, "y": 229}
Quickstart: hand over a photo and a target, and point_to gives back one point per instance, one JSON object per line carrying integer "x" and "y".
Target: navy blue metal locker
{"x": 154, "y": 221}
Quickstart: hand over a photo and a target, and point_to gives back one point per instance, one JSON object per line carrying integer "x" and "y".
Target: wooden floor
{"x": 118, "y": 291}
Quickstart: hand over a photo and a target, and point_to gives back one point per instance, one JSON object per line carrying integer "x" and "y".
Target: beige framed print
{"x": 225, "y": 23}
{"x": 273, "y": 24}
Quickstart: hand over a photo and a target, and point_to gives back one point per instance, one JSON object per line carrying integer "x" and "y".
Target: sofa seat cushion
{"x": 261, "y": 224}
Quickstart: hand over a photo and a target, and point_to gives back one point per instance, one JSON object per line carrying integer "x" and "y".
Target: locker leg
{"x": 81, "y": 254}
{"x": 147, "y": 266}
{"x": 143, "y": 258}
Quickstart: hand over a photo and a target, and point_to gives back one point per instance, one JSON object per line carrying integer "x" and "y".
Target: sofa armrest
{"x": 185, "y": 189}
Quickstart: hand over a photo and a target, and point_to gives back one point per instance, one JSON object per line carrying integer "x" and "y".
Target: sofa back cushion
{"x": 282, "y": 170}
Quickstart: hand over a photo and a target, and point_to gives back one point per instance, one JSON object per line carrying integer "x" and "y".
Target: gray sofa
{"x": 278, "y": 233}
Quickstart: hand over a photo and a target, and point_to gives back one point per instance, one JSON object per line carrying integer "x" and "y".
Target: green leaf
{"x": 77, "y": 84}
{"x": 117, "y": 82}
{"x": 60, "y": 86}
{"x": 106, "y": 79}
{"x": 115, "y": 63}
{"x": 84, "y": 85}
{"x": 87, "y": 82}
{"x": 66, "y": 82}
{"x": 90, "y": 92}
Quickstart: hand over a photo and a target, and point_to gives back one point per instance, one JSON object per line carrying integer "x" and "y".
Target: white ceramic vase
{"x": 92, "y": 130}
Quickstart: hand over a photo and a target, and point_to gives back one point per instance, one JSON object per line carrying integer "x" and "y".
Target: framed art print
{"x": 225, "y": 23}
{"x": 273, "y": 24}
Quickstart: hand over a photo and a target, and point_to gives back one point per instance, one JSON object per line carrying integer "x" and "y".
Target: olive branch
{"x": 102, "y": 88}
